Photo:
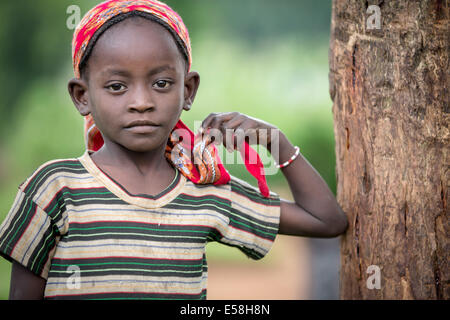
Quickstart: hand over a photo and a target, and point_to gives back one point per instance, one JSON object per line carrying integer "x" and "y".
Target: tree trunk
{"x": 389, "y": 87}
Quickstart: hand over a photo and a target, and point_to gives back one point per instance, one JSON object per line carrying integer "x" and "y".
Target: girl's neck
{"x": 112, "y": 155}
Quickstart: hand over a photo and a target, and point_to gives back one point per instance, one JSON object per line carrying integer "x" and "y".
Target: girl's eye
{"x": 116, "y": 87}
{"x": 162, "y": 84}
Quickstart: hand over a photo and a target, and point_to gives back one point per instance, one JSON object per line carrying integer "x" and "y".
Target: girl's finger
{"x": 208, "y": 119}
{"x": 214, "y": 120}
{"x": 234, "y": 122}
{"x": 245, "y": 131}
{"x": 228, "y": 130}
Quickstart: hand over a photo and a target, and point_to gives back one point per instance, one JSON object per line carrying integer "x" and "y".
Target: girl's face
{"x": 138, "y": 85}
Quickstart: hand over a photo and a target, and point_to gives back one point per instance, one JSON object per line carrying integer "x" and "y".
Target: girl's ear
{"x": 78, "y": 92}
{"x": 191, "y": 84}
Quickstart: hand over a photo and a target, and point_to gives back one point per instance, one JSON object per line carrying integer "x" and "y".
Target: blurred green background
{"x": 268, "y": 59}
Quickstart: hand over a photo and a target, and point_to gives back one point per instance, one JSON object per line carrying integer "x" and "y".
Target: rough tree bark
{"x": 389, "y": 88}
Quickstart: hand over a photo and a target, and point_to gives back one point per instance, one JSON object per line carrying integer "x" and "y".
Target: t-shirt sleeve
{"x": 253, "y": 220}
{"x": 28, "y": 235}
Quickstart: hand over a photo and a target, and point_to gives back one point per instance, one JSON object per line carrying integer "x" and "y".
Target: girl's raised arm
{"x": 315, "y": 211}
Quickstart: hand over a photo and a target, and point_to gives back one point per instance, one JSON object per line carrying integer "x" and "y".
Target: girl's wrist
{"x": 281, "y": 149}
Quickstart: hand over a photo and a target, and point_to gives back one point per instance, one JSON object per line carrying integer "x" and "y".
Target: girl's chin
{"x": 139, "y": 142}
{"x": 145, "y": 146}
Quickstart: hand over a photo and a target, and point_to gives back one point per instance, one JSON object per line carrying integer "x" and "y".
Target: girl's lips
{"x": 142, "y": 129}
{"x": 140, "y": 122}
{"x": 142, "y": 126}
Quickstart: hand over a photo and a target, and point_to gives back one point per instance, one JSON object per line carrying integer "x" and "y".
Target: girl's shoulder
{"x": 249, "y": 191}
{"x": 50, "y": 172}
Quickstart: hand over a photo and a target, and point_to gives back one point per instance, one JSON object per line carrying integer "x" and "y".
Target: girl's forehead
{"x": 136, "y": 40}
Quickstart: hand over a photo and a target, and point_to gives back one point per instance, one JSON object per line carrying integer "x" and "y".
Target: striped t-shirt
{"x": 76, "y": 227}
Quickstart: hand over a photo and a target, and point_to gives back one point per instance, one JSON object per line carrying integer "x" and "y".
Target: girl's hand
{"x": 234, "y": 127}
{"x": 314, "y": 211}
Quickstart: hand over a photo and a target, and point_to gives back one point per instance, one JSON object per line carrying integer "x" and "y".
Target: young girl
{"x": 132, "y": 216}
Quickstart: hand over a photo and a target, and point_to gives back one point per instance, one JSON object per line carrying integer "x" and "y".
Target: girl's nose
{"x": 142, "y": 101}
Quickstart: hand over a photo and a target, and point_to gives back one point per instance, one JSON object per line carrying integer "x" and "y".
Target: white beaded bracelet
{"x": 294, "y": 156}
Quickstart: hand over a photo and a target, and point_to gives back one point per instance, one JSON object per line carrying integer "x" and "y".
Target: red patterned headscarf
{"x": 196, "y": 157}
